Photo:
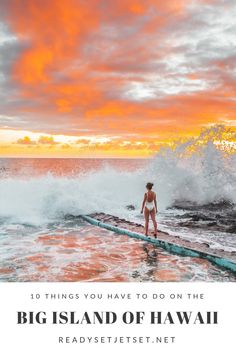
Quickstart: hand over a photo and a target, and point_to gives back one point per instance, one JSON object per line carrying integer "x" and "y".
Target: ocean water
{"x": 42, "y": 237}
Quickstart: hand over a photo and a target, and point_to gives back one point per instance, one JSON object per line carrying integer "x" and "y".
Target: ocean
{"x": 42, "y": 237}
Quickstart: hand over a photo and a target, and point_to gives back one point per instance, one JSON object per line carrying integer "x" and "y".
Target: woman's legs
{"x": 146, "y": 214}
{"x": 153, "y": 217}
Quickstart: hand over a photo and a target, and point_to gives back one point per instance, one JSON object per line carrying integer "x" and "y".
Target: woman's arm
{"x": 155, "y": 202}
{"x": 144, "y": 200}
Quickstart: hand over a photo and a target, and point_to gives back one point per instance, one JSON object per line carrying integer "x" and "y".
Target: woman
{"x": 150, "y": 204}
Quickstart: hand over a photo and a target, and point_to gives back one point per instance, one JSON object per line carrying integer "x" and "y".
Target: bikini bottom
{"x": 149, "y": 206}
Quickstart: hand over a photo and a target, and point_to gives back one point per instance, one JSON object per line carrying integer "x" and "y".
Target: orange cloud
{"x": 118, "y": 67}
{"x": 54, "y": 31}
{"x": 46, "y": 140}
{"x": 26, "y": 141}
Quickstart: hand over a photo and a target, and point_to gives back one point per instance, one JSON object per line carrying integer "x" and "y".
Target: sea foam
{"x": 197, "y": 170}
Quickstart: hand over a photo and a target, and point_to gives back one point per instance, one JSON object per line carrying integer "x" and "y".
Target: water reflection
{"x": 88, "y": 253}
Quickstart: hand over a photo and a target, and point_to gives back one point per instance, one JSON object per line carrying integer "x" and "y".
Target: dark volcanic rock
{"x": 130, "y": 207}
{"x": 216, "y": 206}
{"x": 232, "y": 229}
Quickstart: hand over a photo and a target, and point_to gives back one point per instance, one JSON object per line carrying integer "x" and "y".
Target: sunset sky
{"x": 113, "y": 77}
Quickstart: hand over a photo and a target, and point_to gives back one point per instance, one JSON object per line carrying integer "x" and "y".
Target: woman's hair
{"x": 149, "y": 185}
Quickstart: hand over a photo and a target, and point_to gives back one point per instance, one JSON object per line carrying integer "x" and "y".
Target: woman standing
{"x": 150, "y": 205}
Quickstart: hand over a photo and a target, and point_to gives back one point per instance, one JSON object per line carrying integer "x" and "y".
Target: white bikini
{"x": 149, "y": 205}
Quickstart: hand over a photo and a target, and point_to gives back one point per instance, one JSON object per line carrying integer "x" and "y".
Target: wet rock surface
{"x": 220, "y": 216}
{"x": 132, "y": 226}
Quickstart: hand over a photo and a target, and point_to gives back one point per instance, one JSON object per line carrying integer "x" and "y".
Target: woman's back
{"x": 150, "y": 196}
